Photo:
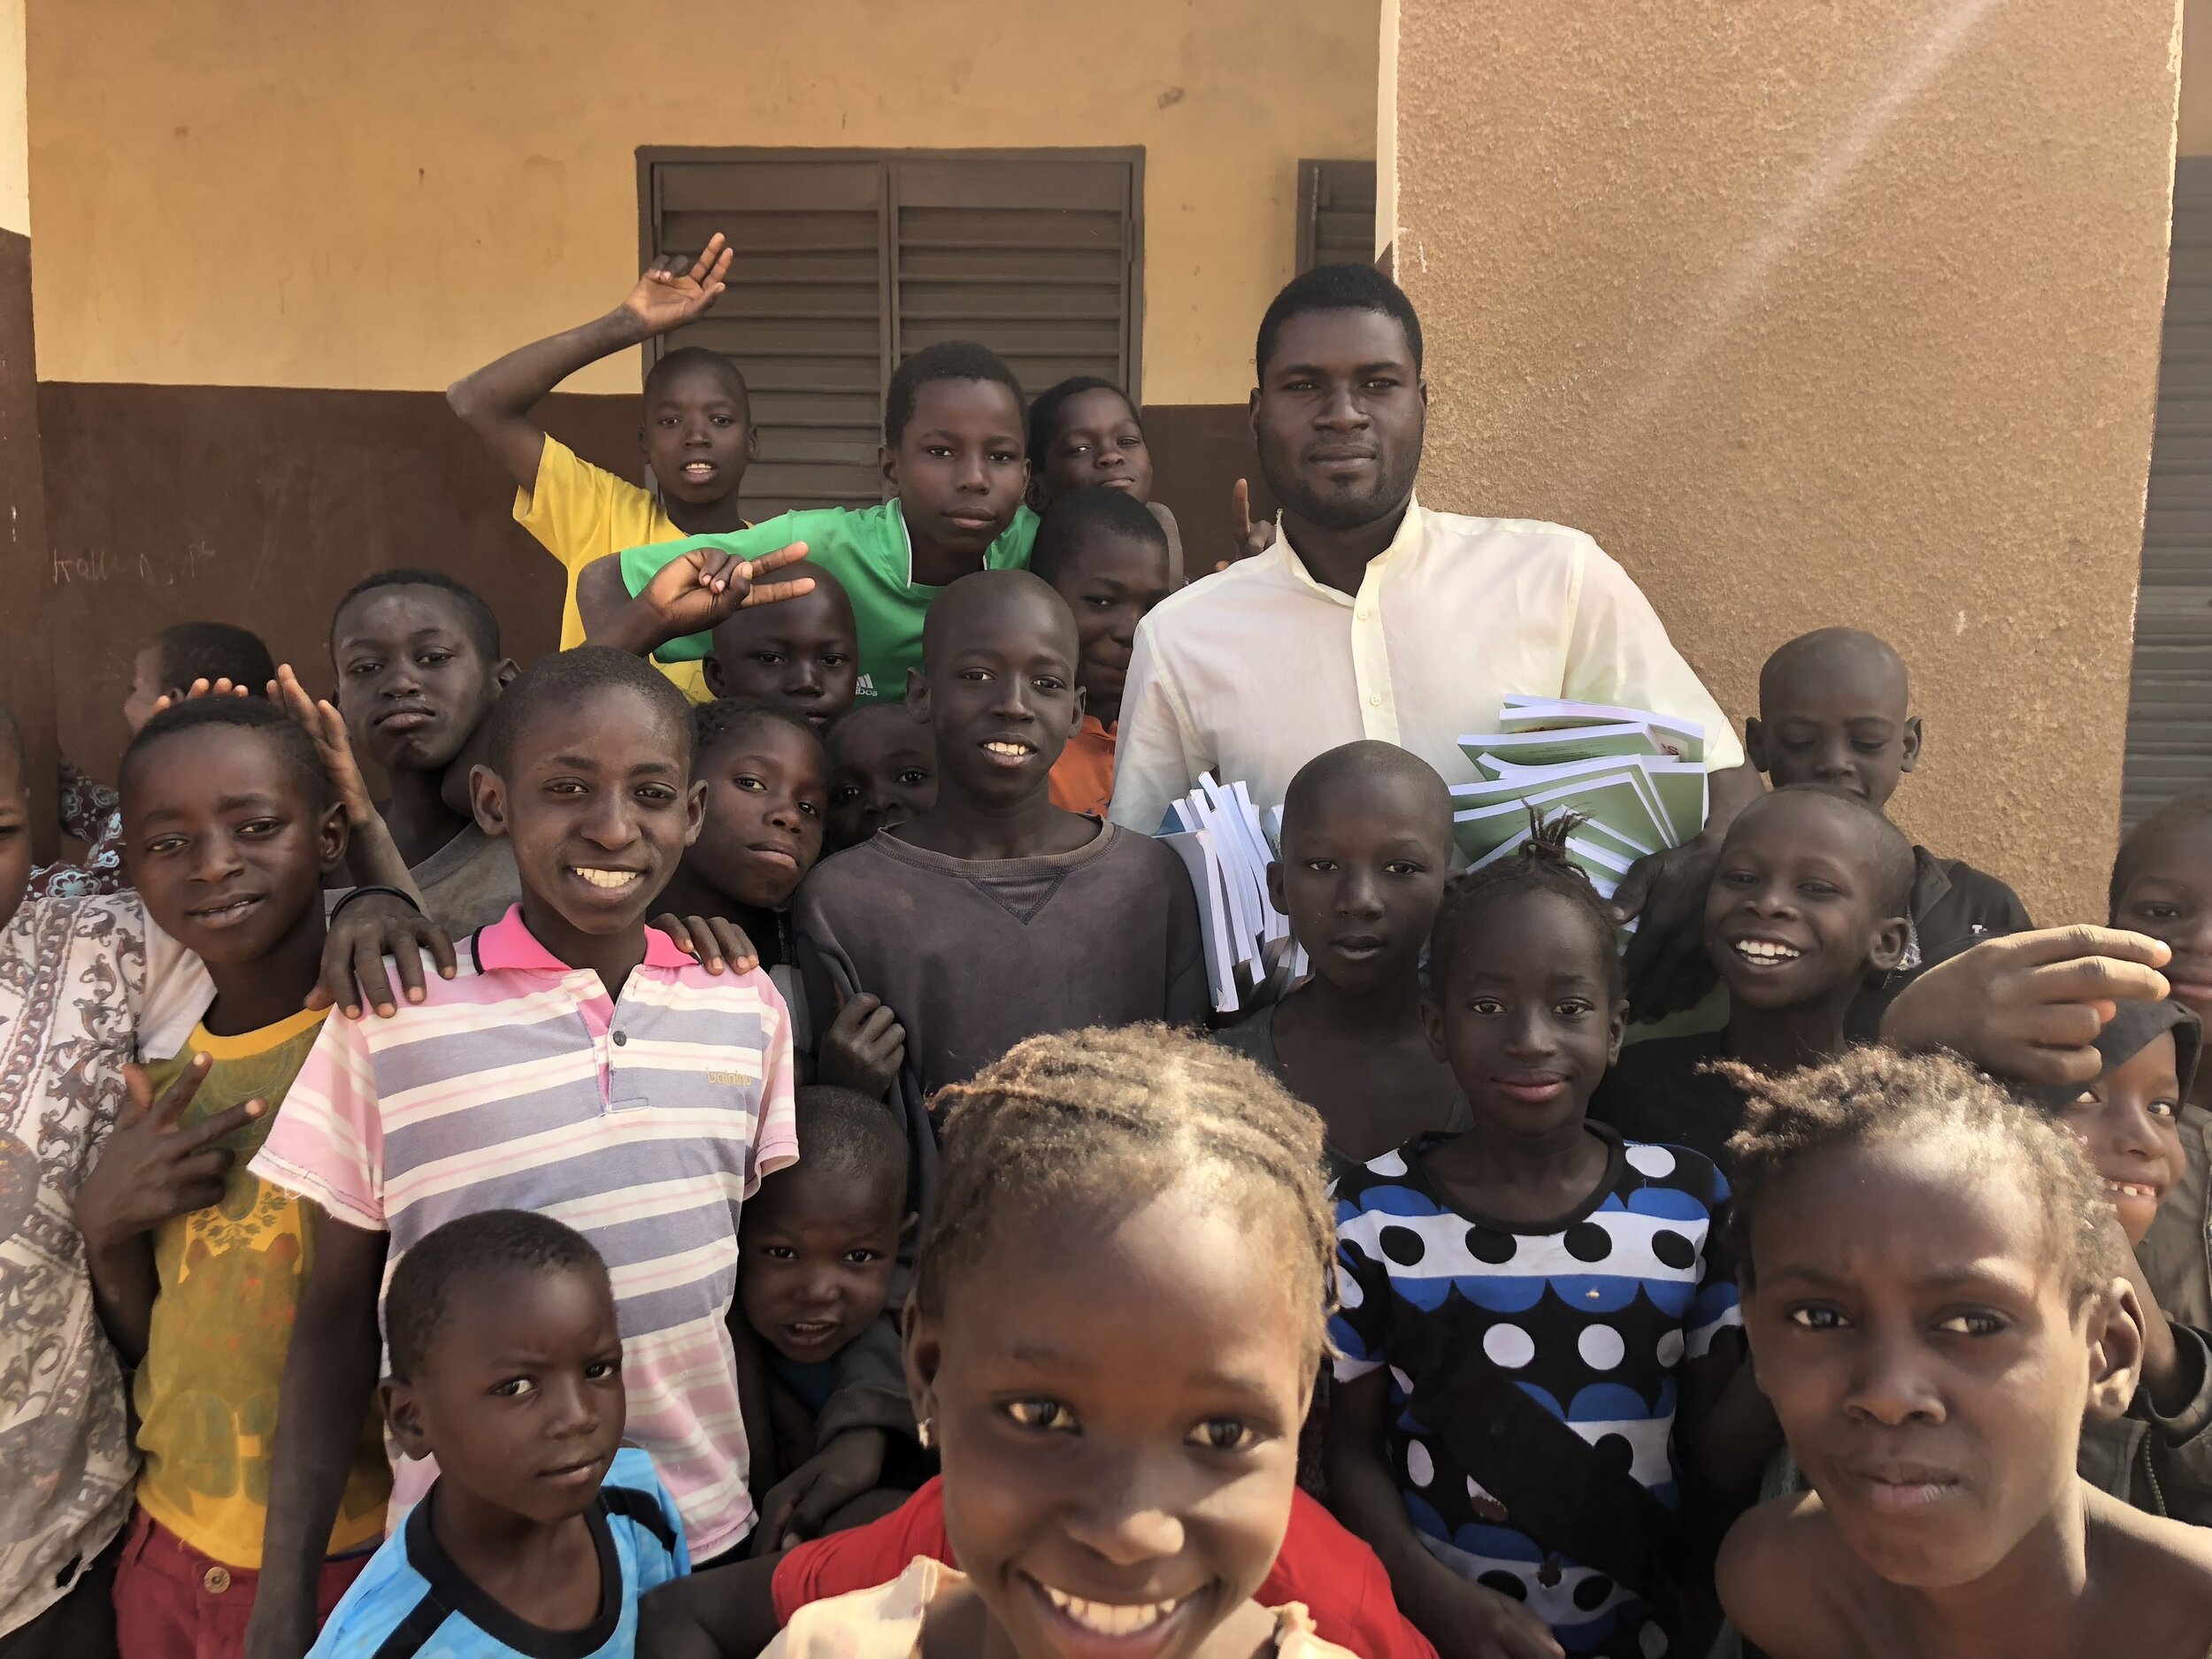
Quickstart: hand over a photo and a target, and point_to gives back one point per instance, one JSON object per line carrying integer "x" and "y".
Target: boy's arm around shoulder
{"x": 326, "y": 1146}
{"x": 330, "y": 1373}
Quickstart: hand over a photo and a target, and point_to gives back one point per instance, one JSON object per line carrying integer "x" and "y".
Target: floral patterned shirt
{"x": 92, "y": 813}
{"x": 71, "y": 972}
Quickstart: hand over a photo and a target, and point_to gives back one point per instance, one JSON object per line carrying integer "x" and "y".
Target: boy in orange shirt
{"x": 697, "y": 435}
{"x": 1104, "y": 553}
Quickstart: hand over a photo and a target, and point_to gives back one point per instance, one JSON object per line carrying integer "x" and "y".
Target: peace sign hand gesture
{"x": 693, "y": 592}
{"x": 151, "y": 1169}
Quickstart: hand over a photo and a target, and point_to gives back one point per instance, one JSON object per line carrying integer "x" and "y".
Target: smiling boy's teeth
{"x": 609, "y": 879}
{"x": 1766, "y": 950}
{"x": 2130, "y": 1189}
{"x": 1109, "y": 1618}
{"x": 1007, "y": 748}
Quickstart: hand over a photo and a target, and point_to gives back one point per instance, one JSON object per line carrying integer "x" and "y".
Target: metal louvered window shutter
{"x": 2169, "y": 711}
{"x": 851, "y": 261}
{"x": 1336, "y": 213}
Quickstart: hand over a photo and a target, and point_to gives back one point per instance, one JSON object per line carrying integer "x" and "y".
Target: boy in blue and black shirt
{"x": 542, "y": 1530}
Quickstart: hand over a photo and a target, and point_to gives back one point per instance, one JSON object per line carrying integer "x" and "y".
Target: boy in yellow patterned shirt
{"x": 197, "y": 1265}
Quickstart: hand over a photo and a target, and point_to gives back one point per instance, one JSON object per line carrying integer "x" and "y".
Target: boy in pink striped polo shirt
{"x": 579, "y": 1066}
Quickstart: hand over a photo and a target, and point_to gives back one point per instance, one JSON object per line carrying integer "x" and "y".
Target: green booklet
{"x": 1683, "y": 739}
{"x": 1635, "y": 779}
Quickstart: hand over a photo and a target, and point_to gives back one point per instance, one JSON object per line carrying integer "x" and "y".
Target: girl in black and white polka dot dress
{"x": 1533, "y": 1312}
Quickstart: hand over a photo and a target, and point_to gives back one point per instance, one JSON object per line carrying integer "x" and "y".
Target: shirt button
{"x": 1361, "y": 613}
{"x": 215, "y": 1580}
{"x": 1375, "y": 700}
{"x": 621, "y": 1037}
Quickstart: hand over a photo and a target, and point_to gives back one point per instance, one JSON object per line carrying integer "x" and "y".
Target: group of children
{"x": 768, "y": 1152}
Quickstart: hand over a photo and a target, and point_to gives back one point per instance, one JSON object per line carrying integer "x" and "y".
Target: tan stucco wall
{"x": 1821, "y": 314}
{"x": 384, "y": 195}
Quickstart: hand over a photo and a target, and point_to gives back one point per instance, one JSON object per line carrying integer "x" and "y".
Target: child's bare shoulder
{"x": 2157, "y": 1577}
{"x": 1785, "y": 1580}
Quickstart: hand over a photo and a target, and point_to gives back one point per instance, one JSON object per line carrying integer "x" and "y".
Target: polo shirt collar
{"x": 509, "y": 944}
{"x": 1400, "y": 550}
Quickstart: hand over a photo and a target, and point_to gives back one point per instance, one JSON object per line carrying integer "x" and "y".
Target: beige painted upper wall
{"x": 15, "y": 156}
{"x": 390, "y": 194}
{"x": 1840, "y": 314}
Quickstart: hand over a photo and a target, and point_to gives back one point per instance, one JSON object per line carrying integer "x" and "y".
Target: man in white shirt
{"x": 1372, "y": 616}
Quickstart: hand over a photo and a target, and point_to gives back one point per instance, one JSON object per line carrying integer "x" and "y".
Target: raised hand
{"x": 668, "y": 294}
{"x": 322, "y": 722}
{"x": 202, "y": 688}
{"x": 1251, "y": 539}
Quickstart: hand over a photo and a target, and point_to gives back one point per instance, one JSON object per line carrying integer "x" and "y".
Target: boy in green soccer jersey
{"x": 954, "y": 457}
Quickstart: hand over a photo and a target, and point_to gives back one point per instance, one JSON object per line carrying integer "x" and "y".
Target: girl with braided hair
{"x": 1535, "y": 1310}
{"x": 1115, "y": 1319}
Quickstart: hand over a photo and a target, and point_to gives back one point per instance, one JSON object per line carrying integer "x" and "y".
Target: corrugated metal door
{"x": 2170, "y": 709}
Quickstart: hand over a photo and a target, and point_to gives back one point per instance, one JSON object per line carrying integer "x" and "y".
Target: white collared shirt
{"x": 1251, "y": 672}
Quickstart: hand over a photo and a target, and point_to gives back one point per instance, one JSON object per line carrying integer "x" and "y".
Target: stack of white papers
{"x": 1635, "y": 779}
{"x": 1227, "y": 845}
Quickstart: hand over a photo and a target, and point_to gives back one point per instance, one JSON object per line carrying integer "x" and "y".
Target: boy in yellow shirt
{"x": 197, "y": 1265}
{"x": 697, "y": 435}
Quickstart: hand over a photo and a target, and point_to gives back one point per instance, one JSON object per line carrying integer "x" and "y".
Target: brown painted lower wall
{"x": 26, "y": 663}
{"x": 1199, "y": 451}
{"x": 262, "y": 505}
